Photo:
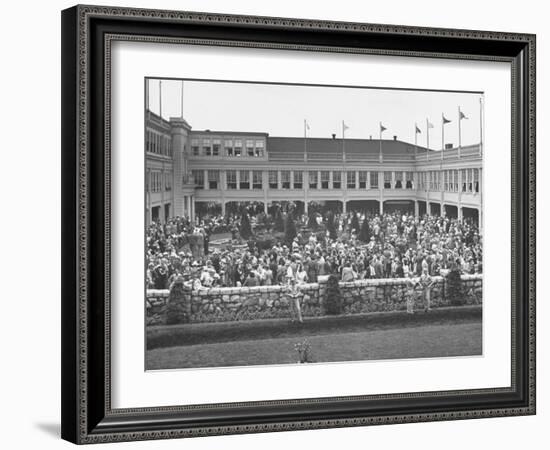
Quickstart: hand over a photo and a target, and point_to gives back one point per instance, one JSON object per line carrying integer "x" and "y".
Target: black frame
{"x": 87, "y": 32}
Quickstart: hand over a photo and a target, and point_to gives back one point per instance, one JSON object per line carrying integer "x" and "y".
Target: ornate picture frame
{"x": 88, "y": 33}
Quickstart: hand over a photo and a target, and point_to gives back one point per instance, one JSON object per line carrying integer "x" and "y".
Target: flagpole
{"x": 305, "y": 141}
{"x": 147, "y": 94}
{"x": 343, "y": 141}
{"x": 427, "y": 138}
{"x": 160, "y": 98}
{"x": 480, "y": 126}
{"x": 415, "y": 141}
{"x": 182, "y": 99}
{"x": 442, "y": 135}
{"x": 380, "y": 157}
{"x": 459, "y": 133}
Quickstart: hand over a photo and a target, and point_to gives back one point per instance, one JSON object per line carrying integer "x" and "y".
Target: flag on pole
{"x": 461, "y": 116}
{"x": 380, "y": 154}
{"x": 444, "y": 121}
{"x": 344, "y": 128}
{"x": 306, "y": 124}
{"x": 416, "y": 133}
{"x": 428, "y": 126}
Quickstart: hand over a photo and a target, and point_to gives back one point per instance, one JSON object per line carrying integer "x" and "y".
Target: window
{"x": 313, "y": 179}
{"x": 259, "y": 148}
{"x": 238, "y": 150}
{"x": 409, "y": 183}
{"x": 206, "y": 148}
{"x": 257, "y": 179}
{"x": 325, "y": 177}
{"x": 350, "y": 180}
{"x": 374, "y": 180}
{"x": 470, "y": 180}
{"x": 195, "y": 147}
{"x": 249, "y": 147}
{"x": 464, "y": 174}
{"x": 285, "y": 179}
{"x": 363, "y": 179}
{"x": 244, "y": 182}
{"x": 455, "y": 181}
{"x": 399, "y": 180}
{"x": 216, "y": 144}
{"x": 337, "y": 180}
{"x": 387, "y": 180}
{"x": 168, "y": 181}
{"x": 213, "y": 179}
{"x": 446, "y": 180}
{"x": 476, "y": 181}
{"x": 199, "y": 178}
{"x": 273, "y": 179}
{"x": 298, "y": 179}
{"x": 231, "y": 179}
{"x": 228, "y": 147}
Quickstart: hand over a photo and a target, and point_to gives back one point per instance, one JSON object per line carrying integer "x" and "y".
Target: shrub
{"x": 304, "y": 351}
{"x": 246, "y": 229}
{"x": 365, "y": 234}
{"x": 279, "y": 222}
{"x": 334, "y": 300}
{"x": 331, "y": 226}
{"x": 176, "y": 311}
{"x": 290, "y": 229}
{"x": 454, "y": 287}
{"x": 355, "y": 223}
{"x": 312, "y": 221}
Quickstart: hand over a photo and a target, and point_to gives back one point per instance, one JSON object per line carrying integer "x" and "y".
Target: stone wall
{"x": 247, "y": 303}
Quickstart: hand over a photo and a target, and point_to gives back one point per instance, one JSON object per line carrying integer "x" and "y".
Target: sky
{"x": 280, "y": 110}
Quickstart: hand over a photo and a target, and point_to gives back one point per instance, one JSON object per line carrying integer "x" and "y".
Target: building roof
{"x": 280, "y": 147}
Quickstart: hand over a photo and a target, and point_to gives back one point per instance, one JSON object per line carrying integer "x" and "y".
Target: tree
{"x": 290, "y": 229}
{"x": 334, "y": 300}
{"x": 312, "y": 221}
{"x": 279, "y": 222}
{"x": 355, "y": 223}
{"x": 246, "y": 229}
{"x": 365, "y": 234}
{"x": 331, "y": 226}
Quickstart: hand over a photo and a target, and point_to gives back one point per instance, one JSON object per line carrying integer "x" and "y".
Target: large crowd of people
{"x": 392, "y": 245}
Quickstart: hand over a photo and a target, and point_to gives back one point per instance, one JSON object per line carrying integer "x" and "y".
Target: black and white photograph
{"x": 290, "y": 224}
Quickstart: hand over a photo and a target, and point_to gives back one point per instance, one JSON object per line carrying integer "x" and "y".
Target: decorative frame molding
{"x": 87, "y": 35}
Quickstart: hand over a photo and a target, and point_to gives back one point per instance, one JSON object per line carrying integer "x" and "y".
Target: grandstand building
{"x": 191, "y": 171}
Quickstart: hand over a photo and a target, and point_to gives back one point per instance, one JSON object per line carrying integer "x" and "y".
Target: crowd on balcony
{"x": 352, "y": 246}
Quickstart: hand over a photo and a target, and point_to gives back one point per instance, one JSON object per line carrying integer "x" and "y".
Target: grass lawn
{"x": 455, "y": 332}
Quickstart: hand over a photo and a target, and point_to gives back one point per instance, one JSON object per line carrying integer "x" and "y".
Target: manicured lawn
{"x": 454, "y": 333}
